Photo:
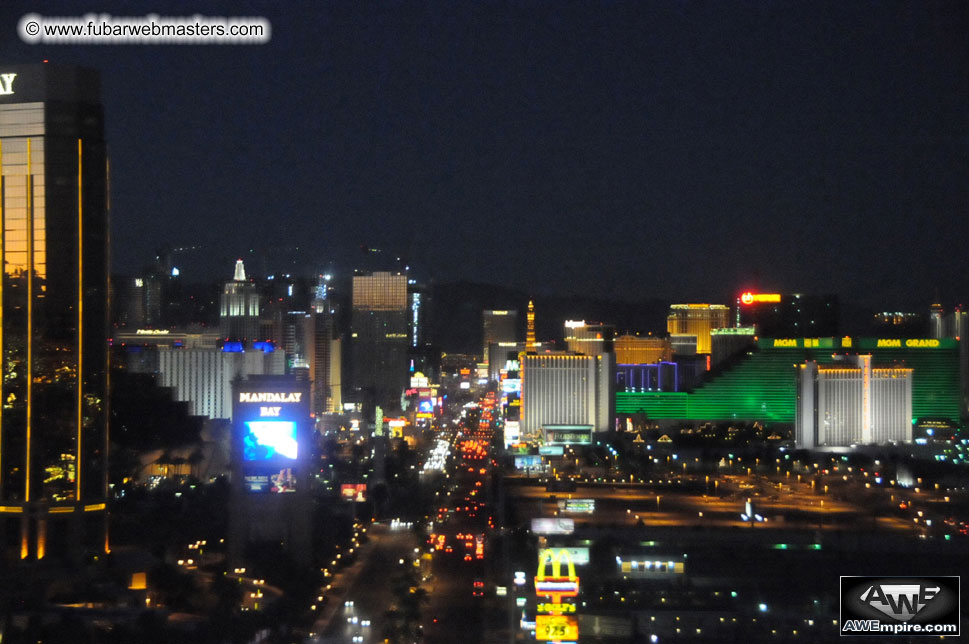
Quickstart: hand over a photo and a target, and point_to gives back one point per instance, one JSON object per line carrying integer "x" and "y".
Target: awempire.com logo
{"x": 900, "y": 606}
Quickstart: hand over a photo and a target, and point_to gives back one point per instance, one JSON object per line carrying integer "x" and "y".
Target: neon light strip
{"x": 80, "y": 324}
{"x": 30, "y": 319}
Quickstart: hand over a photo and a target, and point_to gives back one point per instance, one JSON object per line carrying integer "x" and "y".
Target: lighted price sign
{"x": 549, "y": 607}
{"x": 556, "y": 627}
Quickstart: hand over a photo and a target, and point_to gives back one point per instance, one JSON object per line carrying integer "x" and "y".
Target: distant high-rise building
{"x": 957, "y": 323}
{"x": 954, "y": 325}
{"x": 698, "y": 320}
{"x": 633, "y": 349}
{"x": 727, "y": 342}
{"x": 128, "y": 302}
{"x": 794, "y": 315}
{"x": 852, "y": 403}
{"x": 937, "y": 321}
{"x": 53, "y": 300}
{"x": 499, "y": 353}
{"x": 380, "y": 338}
{"x": 498, "y": 326}
{"x": 239, "y": 307}
{"x": 153, "y": 300}
{"x": 417, "y": 313}
{"x": 947, "y": 325}
{"x": 589, "y": 338}
{"x": 530, "y": 340}
{"x": 334, "y": 399}
{"x": 298, "y": 339}
{"x": 326, "y": 394}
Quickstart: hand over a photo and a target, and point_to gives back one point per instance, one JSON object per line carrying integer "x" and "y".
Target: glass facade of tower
{"x": 53, "y": 307}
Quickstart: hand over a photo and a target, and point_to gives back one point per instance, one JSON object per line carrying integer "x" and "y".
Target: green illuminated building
{"x": 761, "y": 385}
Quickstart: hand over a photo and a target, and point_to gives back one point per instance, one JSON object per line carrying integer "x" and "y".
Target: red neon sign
{"x": 749, "y": 298}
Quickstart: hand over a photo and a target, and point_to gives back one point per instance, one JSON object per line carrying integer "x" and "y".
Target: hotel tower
{"x": 53, "y": 312}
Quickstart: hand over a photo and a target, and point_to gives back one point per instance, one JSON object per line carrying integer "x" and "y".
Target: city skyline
{"x": 335, "y": 337}
{"x": 635, "y": 150}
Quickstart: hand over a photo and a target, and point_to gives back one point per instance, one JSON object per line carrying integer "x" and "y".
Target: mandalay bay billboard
{"x": 270, "y": 421}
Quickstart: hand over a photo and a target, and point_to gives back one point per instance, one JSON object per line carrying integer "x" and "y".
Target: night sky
{"x": 669, "y": 149}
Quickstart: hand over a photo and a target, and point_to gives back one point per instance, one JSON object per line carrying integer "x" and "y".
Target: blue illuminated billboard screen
{"x": 269, "y": 439}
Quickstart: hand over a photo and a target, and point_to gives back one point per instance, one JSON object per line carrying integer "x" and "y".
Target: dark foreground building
{"x": 53, "y": 210}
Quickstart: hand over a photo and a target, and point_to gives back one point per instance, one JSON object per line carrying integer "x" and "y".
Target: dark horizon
{"x": 675, "y": 150}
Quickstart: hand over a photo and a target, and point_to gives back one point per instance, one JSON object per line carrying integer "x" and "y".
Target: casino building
{"x": 761, "y": 384}
{"x": 840, "y": 405}
{"x": 560, "y": 389}
{"x": 53, "y": 321}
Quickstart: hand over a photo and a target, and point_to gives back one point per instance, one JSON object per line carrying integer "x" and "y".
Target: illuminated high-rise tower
{"x": 239, "y": 307}
{"x": 530, "y": 341}
{"x": 326, "y": 365}
{"x": 697, "y": 320}
{"x": 53, "y": 308}
{"x": 498, "y": 326}
{"x": 380, "y": 338}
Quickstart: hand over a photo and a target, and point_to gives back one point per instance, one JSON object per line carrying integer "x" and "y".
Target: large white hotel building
{"x": 853, "y": 403}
